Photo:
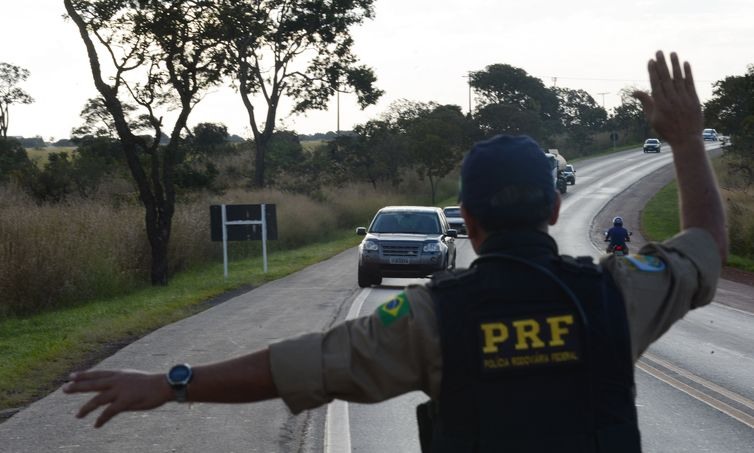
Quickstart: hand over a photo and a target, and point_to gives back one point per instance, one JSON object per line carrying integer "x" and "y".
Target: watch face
{"x": 179, "y": 374}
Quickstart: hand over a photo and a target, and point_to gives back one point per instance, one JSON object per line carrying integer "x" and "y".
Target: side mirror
{"x": 452, "y": 233}
{"x": 361, "y": 231}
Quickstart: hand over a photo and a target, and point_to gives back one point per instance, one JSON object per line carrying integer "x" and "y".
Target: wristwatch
{"x": 178, "y": 377}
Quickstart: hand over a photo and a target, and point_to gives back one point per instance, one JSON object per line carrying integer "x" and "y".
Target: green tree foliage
{"x": 98, "y": 122}
{"x": 10, "y": 93}
{"x": 511, "y": 101}
{"x": 284, "y": 153}
{"x": 55, "y": 181}
{"x": 580, "y": 116}
{"x": 375, "y": 153}
{"x": 80, "y": 173}
{"x": 299, "y": 49}
{"x": 628, "y": 118}
{"x": 212, "y": 138}
{"x": 731, "y": 110}
{"x": 14, "y": 162}
{"x": 732, "y": 102}
{"x": 437, "y": 136}
{"x": 160, "y": 55}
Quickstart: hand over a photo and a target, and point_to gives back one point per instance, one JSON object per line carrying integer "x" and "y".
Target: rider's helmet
{"x": 618, "y": 221}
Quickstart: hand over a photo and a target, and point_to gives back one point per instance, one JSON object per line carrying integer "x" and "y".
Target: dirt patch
{"x": 738, "y": 276}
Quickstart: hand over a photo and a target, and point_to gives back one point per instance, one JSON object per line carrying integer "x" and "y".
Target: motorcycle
{"x": 618, "y": 249}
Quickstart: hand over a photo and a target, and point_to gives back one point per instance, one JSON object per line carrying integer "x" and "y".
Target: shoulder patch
{"x": 393, "y": 310}
{"x": 646, "y": 263}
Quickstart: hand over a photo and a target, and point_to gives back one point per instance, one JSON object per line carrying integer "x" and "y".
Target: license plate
{"x": 398, "y": 260}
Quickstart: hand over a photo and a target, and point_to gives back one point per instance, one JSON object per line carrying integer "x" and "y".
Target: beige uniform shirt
{"x": 374, "y": 358}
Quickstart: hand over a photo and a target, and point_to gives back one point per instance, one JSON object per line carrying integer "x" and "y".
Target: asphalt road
{"x": 695, "y": 386}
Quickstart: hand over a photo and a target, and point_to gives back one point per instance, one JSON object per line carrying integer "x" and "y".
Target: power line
{"x": 599, "y": 79}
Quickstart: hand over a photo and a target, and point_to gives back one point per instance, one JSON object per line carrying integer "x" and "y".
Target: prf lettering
{"x": 527, "y": 333}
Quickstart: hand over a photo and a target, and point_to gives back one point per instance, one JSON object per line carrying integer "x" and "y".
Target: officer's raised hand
{"x": 673, "y": 108}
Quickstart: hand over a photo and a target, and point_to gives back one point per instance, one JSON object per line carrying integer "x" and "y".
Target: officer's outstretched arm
{"x": 674, "y": 111}
{"x": 240, "y": 380}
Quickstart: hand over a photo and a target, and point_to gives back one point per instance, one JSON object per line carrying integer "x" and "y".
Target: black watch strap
{"x": 179, "y": 377}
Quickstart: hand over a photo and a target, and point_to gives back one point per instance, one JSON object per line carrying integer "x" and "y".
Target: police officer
{"x": 525, "y": 351}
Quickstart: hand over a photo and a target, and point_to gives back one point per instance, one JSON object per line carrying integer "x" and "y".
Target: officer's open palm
{"x": 119, "y": 391}
{"x": 673, "y": 108}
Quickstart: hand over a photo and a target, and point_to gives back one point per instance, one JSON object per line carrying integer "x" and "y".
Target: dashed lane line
{"x": 337, "y": 424}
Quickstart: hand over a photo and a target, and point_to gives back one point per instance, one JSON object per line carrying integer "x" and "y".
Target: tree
{"x": 629, "y": 117}
{"x": 14, "y": 162}
{"x": 437, "y": 137}
{"x": 731, "y": 110}
{"x": 300, "y": 49}
{"x": 732, "y": 102}
{"x": 10, "y": 94}
{"x": 580, "y": 116}
{"x": 210, "y": 137}
{"x": 160, "y": 55}
{"x": 377, "y": 152}
{"x": 511, "y": 101}
{"x": 98, "y": 122}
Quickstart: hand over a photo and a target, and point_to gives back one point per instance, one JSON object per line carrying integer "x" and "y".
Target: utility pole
{"x": 603, "y": 98}
{"x": 337, "y": 110}
{"x": 468, "y": 77}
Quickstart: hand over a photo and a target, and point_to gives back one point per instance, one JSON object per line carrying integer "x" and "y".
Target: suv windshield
{"x": 452, "y": 212}
{"x": 406, "y": 222}
{"x": 653, "y": 141}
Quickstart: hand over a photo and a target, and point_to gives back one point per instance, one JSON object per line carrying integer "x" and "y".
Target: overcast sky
{"x": 421, "y": 50}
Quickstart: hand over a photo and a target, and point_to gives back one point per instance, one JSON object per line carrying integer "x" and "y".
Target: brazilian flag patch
{"x": 391, "y": 311}
{"x": 646, "y": 263}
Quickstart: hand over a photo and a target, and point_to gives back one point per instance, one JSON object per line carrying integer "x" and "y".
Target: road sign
{"x": 243, "y": 222}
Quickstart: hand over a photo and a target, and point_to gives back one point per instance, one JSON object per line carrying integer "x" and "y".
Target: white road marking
{"x": 337, "y": 424}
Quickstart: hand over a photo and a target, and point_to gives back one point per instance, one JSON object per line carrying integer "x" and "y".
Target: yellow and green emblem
{"x": 393, "y": 310}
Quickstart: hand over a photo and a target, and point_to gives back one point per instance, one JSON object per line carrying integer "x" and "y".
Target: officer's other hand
{"x": 119, "y": 391}
{"x": 673, "y": 108}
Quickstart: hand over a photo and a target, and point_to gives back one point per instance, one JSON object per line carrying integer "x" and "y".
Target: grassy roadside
{"x": 660, "y": 220}
{"x": 38, "y": 351}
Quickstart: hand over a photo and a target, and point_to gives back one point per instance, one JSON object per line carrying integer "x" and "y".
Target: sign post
{"x": 243, "y": 223}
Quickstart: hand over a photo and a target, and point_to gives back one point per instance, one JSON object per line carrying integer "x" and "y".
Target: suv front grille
{"x": 400, "y": 249}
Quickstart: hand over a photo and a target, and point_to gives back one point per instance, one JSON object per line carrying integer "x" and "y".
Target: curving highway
{"x": 695, "y": 386}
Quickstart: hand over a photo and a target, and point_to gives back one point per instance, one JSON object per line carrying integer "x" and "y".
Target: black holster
{"x": 426, "y": 418}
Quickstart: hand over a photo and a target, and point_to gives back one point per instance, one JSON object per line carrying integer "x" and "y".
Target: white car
{"x": 453, "y": 214}
{"x": 709, "y": 134}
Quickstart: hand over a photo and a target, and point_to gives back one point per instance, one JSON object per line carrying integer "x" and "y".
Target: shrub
{"x": 60, "y": 254}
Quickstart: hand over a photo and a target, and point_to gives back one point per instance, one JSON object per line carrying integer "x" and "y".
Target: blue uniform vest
{"x": 536, "y": 354}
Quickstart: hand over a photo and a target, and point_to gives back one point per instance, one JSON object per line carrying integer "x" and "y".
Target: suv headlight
{"x": 432, "y": 247}
{"x": 371, "y": 245}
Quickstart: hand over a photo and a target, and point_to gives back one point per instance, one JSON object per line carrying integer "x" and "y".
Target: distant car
{"x": 709, "y": 135}
{"x": 652, "y": 145}
{"x": 405, "y": 241}
{"x": 569, "y": 174}
{"x": 453, "y": 214}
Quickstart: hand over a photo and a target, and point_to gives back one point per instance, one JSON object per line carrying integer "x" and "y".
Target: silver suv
{"x": 405, "y": 241}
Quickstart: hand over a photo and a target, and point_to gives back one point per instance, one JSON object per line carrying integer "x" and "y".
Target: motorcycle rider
{"x": 617, "y": 235}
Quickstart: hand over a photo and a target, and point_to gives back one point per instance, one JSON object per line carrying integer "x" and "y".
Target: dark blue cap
{"x": 507, "y": 180}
